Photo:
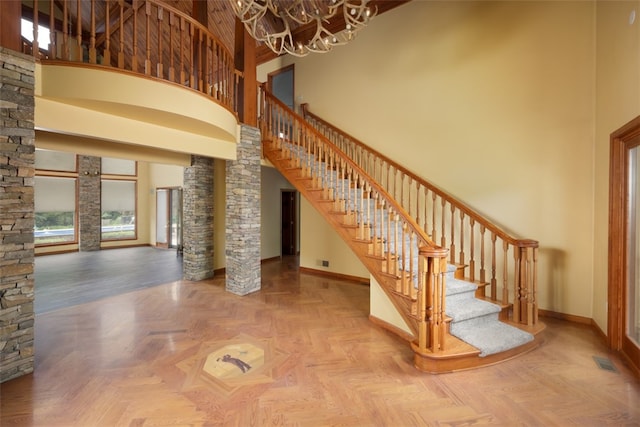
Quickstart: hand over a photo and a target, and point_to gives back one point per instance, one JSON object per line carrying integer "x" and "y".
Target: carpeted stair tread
{"x": 460, "y": 309}
{"x": 490, "y": 338}
{"x": 457, "y": 286}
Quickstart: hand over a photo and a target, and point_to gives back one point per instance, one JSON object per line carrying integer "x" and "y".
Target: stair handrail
{"x": 525, "y": 308}
{"x": 183, "y": 51}
{"x": 431, "y": 292}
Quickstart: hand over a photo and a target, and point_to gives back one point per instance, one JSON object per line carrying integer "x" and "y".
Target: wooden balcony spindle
{"x": 79, "y": 52}
{"x": 147, "y": 51}
{"x": 65, "y": 32}
{"x": 182, "y": 64}
{"x": 160, "y": 26}
{"x": 92, "y": 33}
{"x": 172, "y": 69}
{"x": 106, "y": 53}
{"x": 53, "y": 54}
{"x": 34, "y": 46}
{"x": 134, "y": 58}
{"x": 121, "y": 36}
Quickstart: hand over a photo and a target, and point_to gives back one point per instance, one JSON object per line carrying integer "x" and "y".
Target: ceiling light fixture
{"x": 279, "y": 23}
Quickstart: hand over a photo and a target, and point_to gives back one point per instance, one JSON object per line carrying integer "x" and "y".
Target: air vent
{"x": 605, "y": 363}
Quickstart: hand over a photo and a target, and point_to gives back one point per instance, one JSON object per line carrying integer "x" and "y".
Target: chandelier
{"x": 281, "y": 24}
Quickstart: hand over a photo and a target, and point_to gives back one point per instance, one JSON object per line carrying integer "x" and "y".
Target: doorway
{"x": 282, "y": 85}
{"x": 289, "y": 222}
{"x": 624, "y": 241}
{"x": 169, "y": 218}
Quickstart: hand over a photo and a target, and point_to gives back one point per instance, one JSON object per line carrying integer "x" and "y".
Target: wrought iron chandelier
{"x": 275, "y": 22}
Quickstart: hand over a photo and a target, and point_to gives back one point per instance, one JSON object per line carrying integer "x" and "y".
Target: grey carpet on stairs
{"x": 474, "y": 321}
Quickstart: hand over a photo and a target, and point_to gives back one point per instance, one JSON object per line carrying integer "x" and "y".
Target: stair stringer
{"x": 360, "y": 248}
{"x": 458, "y": 355}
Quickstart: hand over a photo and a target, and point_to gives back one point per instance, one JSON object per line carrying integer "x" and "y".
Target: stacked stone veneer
{"x": 89, "y": 210}
{"x": 243, "y": 215}
{"x": 197, "y": 232}
{"x": 17, "y": 158}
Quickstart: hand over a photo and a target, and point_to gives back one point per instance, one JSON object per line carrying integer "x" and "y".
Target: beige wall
{"x": 617, "y": 102}
{"x": 492, "y": 101}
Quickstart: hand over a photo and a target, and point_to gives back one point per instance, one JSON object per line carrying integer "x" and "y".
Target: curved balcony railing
{"x": 146, "y": 37}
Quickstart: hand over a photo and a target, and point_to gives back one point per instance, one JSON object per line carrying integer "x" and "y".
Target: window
{"x": 55, "y": 210}
{"x": 118, "y": 209}
{"x": 26, "y": 30}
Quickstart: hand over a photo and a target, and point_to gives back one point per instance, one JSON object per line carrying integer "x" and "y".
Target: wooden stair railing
{"x": 408, "y": 265}
{"x": 505, "y": 267}
{"x": 146, "y": 37}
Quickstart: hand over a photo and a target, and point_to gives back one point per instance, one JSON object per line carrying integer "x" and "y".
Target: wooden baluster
{"x": 160, "y": 66}
{"x": 434, "y": 196}
{"x": 472, "y": 257}
{"x": 533, "y": 320}
{"x": 147, "y": 51}
{"x": 403, "y": 264}
{"x": 391, "y": 252}
{"x": 134, "y": 58}
{"x": 483, "y": 272}
{"x": 377, "y": 225}
{"x": 443, "y": 239}
{"x": 505, "y": 272}
{"x": 387, "y": 239}
{"x": 92, "y": 33}
{"x": 172, "y": 69}
{"x": 192, "y": 56}
{"x": 121, "y": 36}
{"x": 396, "y": 254}
{"x": 413, "y": 245}
{"x": 183, "y": 66}
{"x": 452, "y": 250}
{"x": 35, "y": 48}
{"x": 424, "y": 300}
{"x": 79, "y": 53}
{"x": 494, "y": 280}
{"x": 519, "y": 291}
{"x": 106, "y": 54}
{"x": 461, "y": 255}
{"x": 200, "y": 67}
{"x": 53, "y": 54}
{"x": 65, "y": 31}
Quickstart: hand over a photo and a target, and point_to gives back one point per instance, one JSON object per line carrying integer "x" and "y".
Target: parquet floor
{"x": 137, "y": 359}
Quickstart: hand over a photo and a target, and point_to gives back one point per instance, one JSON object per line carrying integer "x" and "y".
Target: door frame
{"x": 622, "y": 140}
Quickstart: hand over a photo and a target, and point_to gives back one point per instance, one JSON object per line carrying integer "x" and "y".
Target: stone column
{"x": 89, "y": 202}
{"x": 197, "y": 263}
{"x": 243, "y": 215}
{"x": 17, "y": 170}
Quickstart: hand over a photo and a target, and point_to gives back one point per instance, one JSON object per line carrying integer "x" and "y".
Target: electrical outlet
{"x": 325, "y": 263}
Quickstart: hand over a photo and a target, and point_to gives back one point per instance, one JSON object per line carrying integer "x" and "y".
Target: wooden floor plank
{"x": 134, "y": 359}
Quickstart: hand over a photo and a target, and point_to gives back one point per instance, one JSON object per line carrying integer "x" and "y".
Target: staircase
{"x": 454, "y": 324}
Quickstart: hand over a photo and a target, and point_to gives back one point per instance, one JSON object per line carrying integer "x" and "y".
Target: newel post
{"x": 525, "y": 305}
{"x": 431, "y": 299}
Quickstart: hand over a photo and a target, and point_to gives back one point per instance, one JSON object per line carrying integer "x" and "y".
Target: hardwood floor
{"x": 151, "y": 357}
{"x": 64, "y": 280}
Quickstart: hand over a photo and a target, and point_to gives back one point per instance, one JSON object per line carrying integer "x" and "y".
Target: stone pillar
{"x": 243, "y": 215}
{"x": 89, "y": 201}
{"x": 197, "y": 262}
{"x": 17, "y": 170}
